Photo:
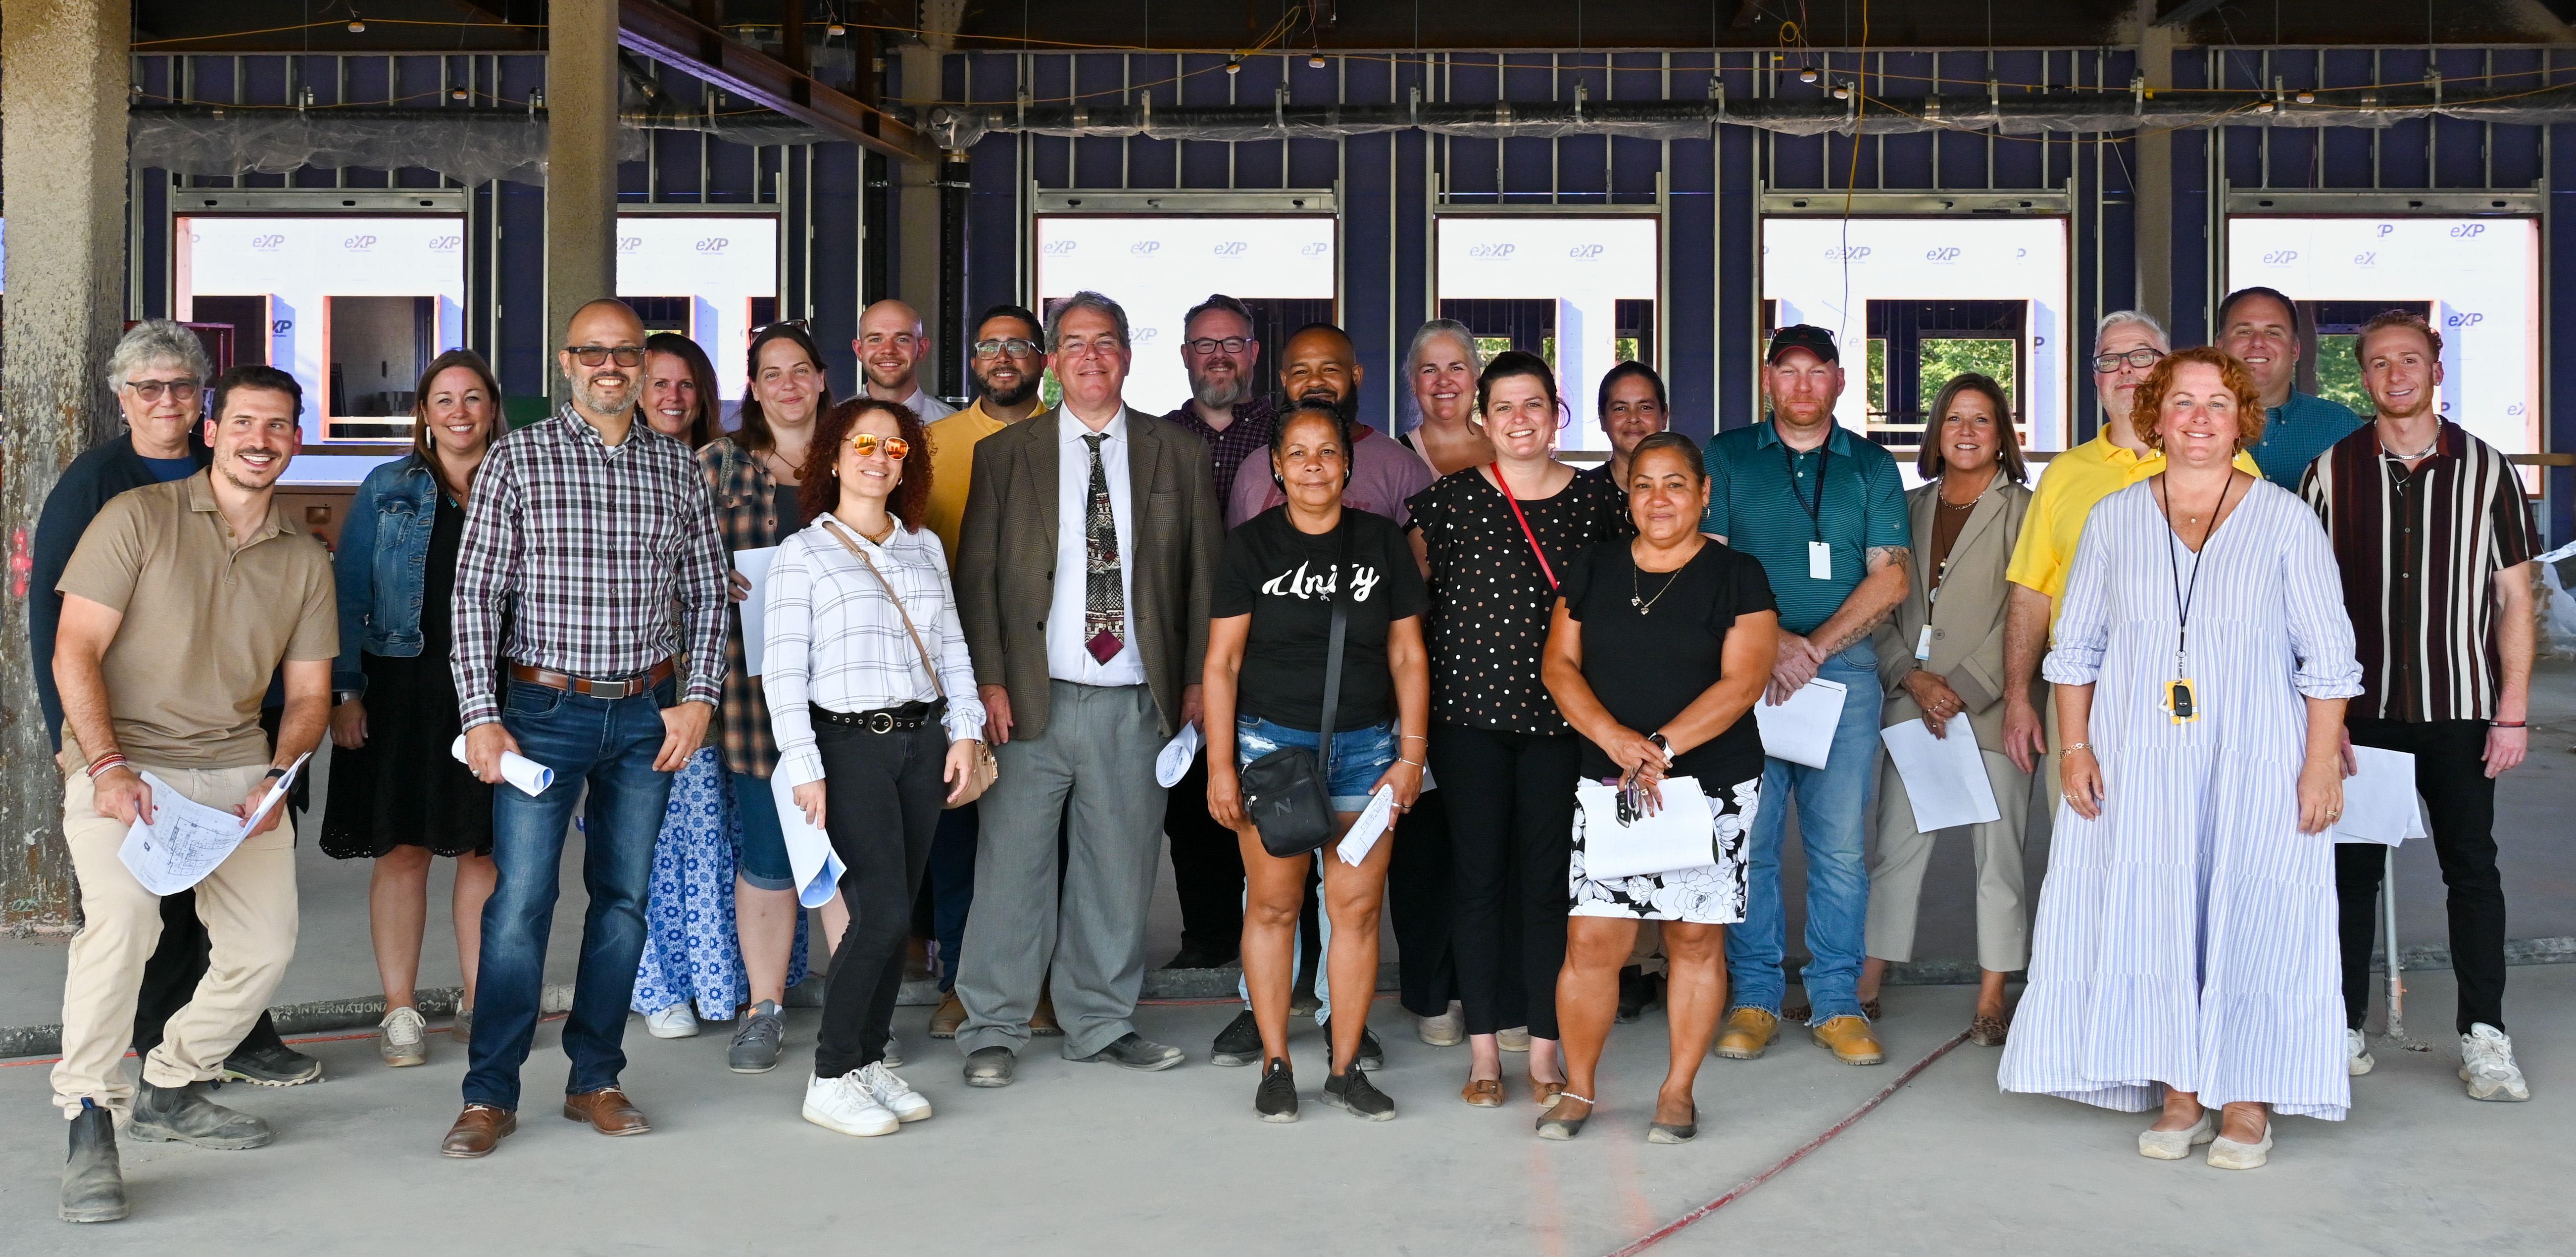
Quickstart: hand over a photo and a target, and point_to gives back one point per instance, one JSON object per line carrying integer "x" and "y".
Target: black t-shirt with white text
{"x": 1286, "y": 581}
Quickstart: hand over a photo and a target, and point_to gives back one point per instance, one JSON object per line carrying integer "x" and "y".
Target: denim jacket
{"x": 382, "y": 567}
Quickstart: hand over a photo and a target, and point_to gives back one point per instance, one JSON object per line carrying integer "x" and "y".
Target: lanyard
{"x": 1816, "y": 512}
{"x": 2183, "y": 594}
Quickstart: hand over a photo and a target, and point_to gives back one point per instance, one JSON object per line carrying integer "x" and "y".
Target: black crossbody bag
{"x": 1286, "y": 793}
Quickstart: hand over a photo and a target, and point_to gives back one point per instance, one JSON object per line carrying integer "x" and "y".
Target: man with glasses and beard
{"x": 583, "y": 530}
{"x": 1321, "y": 364}
{"x": 1219, "y": 352}
{"x": 1008, "y": 362}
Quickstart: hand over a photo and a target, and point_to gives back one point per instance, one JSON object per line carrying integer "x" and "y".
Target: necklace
{"x": 1636, "y": 593}
{"x": 2403, "y": 456}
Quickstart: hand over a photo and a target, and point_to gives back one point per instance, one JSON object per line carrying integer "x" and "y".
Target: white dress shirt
{"x": 930, "y": 408}
{"x": 1068, "y": 659}
{"x": 835, "y": 639}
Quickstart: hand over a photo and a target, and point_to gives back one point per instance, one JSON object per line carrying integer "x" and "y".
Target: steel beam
{"x": 666, "y": 34}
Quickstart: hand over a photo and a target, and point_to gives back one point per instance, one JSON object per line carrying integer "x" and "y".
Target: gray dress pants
{"x": 1093, "y": 769}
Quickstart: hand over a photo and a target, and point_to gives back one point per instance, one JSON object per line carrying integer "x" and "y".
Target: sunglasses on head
{"x": 867, "y": 443}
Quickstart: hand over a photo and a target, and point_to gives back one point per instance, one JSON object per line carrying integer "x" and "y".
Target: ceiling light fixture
{"x": 2307, "y": 98}
{"x": 1807, "y": 75}
{"x": 1234, "y": 66}
{"x": 1315, "y": 62}
{"x": 357, "y": 26}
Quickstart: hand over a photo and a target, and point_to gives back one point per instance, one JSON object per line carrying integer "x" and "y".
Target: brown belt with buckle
{"x": 626, "y": 688}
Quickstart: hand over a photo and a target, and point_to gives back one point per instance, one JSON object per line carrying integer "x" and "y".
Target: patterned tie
{"x": 1104, "y": 598}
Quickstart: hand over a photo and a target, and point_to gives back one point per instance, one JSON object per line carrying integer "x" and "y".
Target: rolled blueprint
{"x": 528, "y": 775}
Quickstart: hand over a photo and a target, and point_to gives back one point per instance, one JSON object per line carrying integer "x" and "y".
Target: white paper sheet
{"x": 1370, "y": 827}
{"x": 2379, "y": 801}
{"x": 528, "y": 775}
{"x": 1682, "y": 834}
{"x": 1945, "y": 777}
{"x": 1802, "y": 729}
{"x": 754, "y": 566}
{"x": 1174, "y": 761}
{"x": 183, "y": 843}
{"x": 811, "y": 860}
{"x": 276, "y": 793}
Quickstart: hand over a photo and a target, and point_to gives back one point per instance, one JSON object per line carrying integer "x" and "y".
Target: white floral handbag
{"x": 1680, "y": 835}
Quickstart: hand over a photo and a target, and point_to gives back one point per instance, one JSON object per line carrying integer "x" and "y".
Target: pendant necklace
{"x": 1636, "y": 593}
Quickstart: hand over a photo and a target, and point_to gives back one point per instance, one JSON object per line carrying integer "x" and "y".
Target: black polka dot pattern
{"x": 1490, "y": 601}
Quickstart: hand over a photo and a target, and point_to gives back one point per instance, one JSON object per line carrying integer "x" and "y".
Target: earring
{"x": 1277, "y": 479}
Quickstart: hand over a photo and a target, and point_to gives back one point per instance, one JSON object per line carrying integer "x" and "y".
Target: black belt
{"x": 879, "y": 720}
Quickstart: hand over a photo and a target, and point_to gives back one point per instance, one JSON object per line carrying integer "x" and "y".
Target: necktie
{"x": 1104, "y": 597}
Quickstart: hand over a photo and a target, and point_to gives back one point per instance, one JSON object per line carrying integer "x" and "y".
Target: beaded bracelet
{"x": 104, "y": 762}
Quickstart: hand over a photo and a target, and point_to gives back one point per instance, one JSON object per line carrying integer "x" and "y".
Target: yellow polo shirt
{"x": 2073, "y": 483}
{"x": 952, "y": 467}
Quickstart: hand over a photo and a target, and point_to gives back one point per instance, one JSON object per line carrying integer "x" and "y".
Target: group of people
{"x": 978, "y": 631}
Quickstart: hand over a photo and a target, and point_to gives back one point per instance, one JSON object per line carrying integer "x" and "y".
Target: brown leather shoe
{"x": 608, "y": 1111}
{"x": 1850, "y": 1039}
{"x": 477, "y": 1131}
{"x": 1043, "y": 1020}
{"x": 1747, "y": 1034}
{"x": 1545, "y": 1093}
{"x": 1483, "y": 1093}
{"x": 951, "y": 1014}
{"x": 1987, "y": 1031}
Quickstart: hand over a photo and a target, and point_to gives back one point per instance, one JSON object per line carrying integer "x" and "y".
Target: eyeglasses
{"x": 598, "y": 355}
{"x": 1014, "y": 346}
{"x": 181, "y": 391}
{"x": 895, "y": 447}
{"x": 1209, "y": 344}
{"x": 1084, "y": 348}
{"x": 2105, "y": 364}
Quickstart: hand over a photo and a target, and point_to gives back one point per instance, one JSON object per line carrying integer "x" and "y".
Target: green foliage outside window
{"x": 2339, "y": 374}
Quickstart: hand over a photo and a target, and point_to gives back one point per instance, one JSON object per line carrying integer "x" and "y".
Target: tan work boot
{"x": 1748, "y": 1031}
{"x": 951, "y": 1014}
{"x": 1043, "y": 1020}
{"x": 1850, "y": 1039}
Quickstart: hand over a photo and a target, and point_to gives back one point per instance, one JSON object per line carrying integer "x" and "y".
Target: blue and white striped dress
{"x": 2187, "y": 936}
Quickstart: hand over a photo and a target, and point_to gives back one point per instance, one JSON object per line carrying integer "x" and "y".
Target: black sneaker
{"x": 1372, "y": 1053}
{"x": 1239, "y": 1043}
{"x": 1276, "y": 1099}
{"x": 275, "y": 1065}
{"x": 1353, "y": 1093}
{"x": 1636, "y": 994}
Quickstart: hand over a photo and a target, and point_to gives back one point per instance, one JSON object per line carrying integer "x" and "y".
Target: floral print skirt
{"x": 1711, "y": 894}
{"x": 692, "y": 954}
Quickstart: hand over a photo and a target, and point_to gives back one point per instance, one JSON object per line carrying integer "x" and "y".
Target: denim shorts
{"x": 763, "y": 861}
{"x": 1360, "y": 756}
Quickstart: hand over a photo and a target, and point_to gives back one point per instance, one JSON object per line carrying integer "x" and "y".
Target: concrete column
{"x": 2155, "y": 182}
{"x": 63, "y": 138}
{"x": 581, "y": 165}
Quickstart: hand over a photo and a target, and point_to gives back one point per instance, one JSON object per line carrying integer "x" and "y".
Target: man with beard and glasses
{"x": 1321, "y": 364}
{"x": 892, "y": 346}
{"x": 180, "y": 602}
{"x": 2435, "y": 542}
{"x": 1219, "y": 352}
{"x": 1008, "y": 361}
{"x": 2261, "y": 328}
{"x": 583, "y": 532}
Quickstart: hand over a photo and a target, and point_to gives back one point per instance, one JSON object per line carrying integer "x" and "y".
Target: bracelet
{"x": 274, "y": 774}
{"x": 104, "y": 762}
{"x": 2508, "y": 724}
{"x": 2085, "y": 747}
{"x": 1415, "y": 736}
{"x": 1401, "y": 760}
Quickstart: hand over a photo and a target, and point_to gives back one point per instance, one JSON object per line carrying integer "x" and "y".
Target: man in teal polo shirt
{"x": 2261, "y": 328}
{"x": 1823, "y": 510}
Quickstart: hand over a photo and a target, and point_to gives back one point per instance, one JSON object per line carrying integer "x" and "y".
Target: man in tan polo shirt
{"x": 180, "y": 602}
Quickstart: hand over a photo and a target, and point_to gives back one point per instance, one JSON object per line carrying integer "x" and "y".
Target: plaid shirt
{"x": 1254, "y": 420}
{"x": 744, "y": 495}
{"x": 581, "y": 549}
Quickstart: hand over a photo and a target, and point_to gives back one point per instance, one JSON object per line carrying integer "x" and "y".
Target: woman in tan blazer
{"x": 1942, "y": 655}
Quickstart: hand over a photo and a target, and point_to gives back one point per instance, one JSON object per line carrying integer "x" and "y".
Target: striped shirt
{"x": 834, "y": 638}
{"x": 582, "y": 547}
{"x": 2419, "y": 552}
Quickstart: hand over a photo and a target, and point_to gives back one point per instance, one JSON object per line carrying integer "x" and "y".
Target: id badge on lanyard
{"x": 1820, "y": 553}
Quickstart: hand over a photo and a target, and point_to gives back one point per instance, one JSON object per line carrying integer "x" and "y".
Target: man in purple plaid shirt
{"x": 581, "y": 533}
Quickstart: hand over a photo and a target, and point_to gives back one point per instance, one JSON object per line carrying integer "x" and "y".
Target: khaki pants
{"x": 1896, "y": 876}
{"x": 248, "y": 905}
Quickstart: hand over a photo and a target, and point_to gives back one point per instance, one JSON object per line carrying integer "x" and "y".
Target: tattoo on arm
{"x": 1879, "y": 559}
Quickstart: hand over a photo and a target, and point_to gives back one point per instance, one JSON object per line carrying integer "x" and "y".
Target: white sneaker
{"x": 895, "y": 1094}
{"x": 402, "y": 1042}
{"x": 2486, "y": 1064}
{"x": 1449, "y": 1029}
{"x": 2356, "y": 1053}
{"x": 679, "y": 1021}
{"x": 893, "y": 1051}
{"x": 846, "y": 1105}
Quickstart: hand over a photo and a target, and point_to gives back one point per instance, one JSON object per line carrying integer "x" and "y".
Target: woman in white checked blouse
{"x": 2185, "y": 950}
{"x": 865, "y": 736}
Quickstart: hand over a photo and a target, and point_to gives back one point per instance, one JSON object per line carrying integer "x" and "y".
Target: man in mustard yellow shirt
{"x": 1008, "y": 360}
{"x": 2126, "y": 346}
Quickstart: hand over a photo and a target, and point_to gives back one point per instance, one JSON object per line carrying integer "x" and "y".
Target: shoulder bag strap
{"x": 833, "y": 527}
{"x": 1333, "y": 652}
{"x": 1504, "y": 487}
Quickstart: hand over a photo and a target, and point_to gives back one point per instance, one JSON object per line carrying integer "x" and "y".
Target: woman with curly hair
{"x": 872, "y": 701}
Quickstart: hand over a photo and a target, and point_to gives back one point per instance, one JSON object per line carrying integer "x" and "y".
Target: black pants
{"x": 882, "y": 793}
{"x": 1511, "y": 835}
{"x": 170, "y": 976}
{"x": 1207, "y": 867}
{"x": 1417, "y": 903}
{"x": 2451, "y": 774}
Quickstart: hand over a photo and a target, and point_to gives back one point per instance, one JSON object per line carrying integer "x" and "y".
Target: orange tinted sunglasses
{"x": 895, "y": 447}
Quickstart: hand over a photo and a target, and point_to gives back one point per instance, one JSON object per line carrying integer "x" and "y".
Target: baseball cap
{"x": 1807, "y": 336}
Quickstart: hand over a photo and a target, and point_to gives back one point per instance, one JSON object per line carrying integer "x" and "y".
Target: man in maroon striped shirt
{"x": 2435, "y": 540}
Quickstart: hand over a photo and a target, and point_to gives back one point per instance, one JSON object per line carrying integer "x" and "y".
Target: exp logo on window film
{"x": 1489, "y": 252}
{"x": 2280, "y": 257}
{"x": 713, "y": 245}
{"x": 1847, "y": 253}
{"x": 1057, "y": 248}
{"x": 1145, "y": 248}
{"x": 445, "y": 244}
{"x": 269, "y": 243}
{"x": 2463, "y": 319}
{"x": 1230, "y": 248}
{"x": 1313, "y": 249}
{"x": 630, "y": 244}
{"x": 1943, "y": 255}
{"x": 359, "y": 244}
{"x": 1585, "y": 252}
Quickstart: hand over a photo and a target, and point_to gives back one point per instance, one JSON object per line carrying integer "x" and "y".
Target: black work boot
{"x": 186, "y": 1115}
{"x": 93, "y": 1181}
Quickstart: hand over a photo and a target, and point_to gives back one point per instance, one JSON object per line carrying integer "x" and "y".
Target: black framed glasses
{"x": 1013, "y": 346}
{"x": 599, "y": 355}
{"x": 1210, "y": 344}
{"x": 2105, "y": 364}
{"x": 181, "y": 391}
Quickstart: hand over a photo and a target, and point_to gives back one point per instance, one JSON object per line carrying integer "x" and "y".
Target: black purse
{"x": 1285, "y": 793}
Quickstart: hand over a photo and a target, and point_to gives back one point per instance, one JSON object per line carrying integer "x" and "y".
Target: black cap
{"x": 1807, "y": 336}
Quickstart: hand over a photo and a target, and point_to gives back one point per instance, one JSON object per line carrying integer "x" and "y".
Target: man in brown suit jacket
{"x": 1083, "y": 577}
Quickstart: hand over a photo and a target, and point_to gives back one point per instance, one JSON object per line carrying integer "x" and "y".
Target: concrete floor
{"x": 1084, "y": 1159}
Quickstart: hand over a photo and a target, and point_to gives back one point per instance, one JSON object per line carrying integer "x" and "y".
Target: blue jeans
{"x": 609, "y": 745}
{"x": 952, "y": 886}
{"x": 1360, "y": 757}
{"x": 1832, "y": 801}
{"x": 764, "y": 864}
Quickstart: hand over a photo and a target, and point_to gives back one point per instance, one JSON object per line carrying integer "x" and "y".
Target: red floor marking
{"x": 1745, "y": 1188}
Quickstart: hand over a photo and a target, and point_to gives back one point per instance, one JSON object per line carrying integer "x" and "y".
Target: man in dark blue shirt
{"x": 2261, "y": 328}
